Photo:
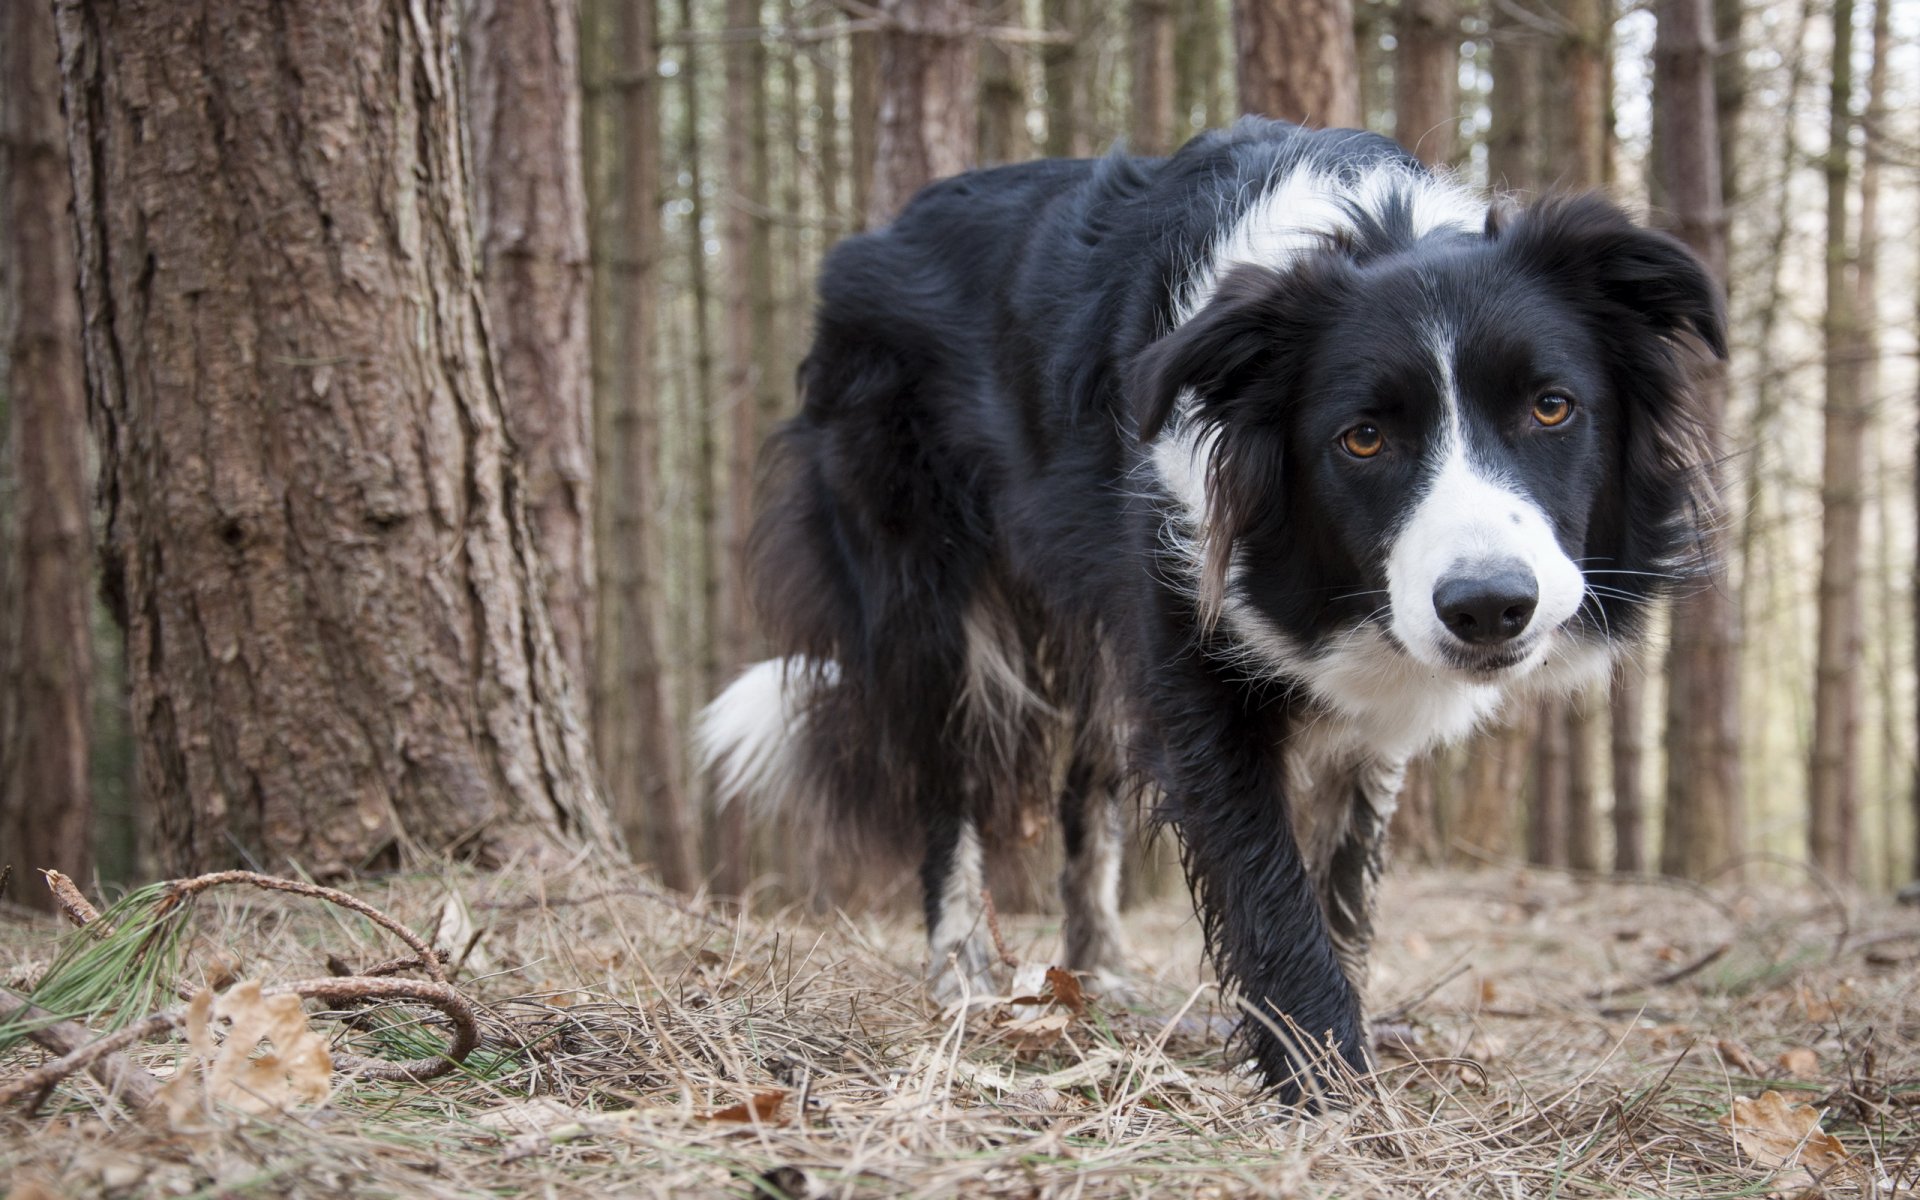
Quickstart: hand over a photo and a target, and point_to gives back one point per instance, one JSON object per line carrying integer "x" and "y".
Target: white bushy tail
{"x": 749, "y": 737}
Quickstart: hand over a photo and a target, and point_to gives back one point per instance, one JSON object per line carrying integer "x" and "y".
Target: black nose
{"x": 1487, "y": 606}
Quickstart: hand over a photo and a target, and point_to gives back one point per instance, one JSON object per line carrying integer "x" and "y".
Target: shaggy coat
{"x": 1237, "y": 478}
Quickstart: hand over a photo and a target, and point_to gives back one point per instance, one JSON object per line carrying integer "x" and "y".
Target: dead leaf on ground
{"x": 1735, "y": 1056}
{"x": 764, "y": 1108}
{"x": 1776, "y": 1133}
{"x": 1063, "y": 987}
{"x": 1038, "y": 1032}
{"x": 1801, "y": 1062}
{"x": 269, "y": 1061}
{"x": 527, "y": 1116}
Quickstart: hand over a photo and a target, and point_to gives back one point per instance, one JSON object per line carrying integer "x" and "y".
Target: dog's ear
{"x": 1255, "y": 316}
{"x": 1587, "y": 242}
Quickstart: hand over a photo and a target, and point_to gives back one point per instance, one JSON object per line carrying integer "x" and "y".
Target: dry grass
{"x": 620, "y": 1022}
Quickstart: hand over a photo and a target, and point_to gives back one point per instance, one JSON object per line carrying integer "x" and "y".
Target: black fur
{"x": 987, "y": 376}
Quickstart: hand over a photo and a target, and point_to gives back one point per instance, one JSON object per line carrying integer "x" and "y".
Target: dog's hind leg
{"x": 1090, "y": 825}
{"x": 959, "y": 944}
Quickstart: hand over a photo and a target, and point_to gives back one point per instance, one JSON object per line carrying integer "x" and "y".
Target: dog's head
{"x": 1473, "y": 450}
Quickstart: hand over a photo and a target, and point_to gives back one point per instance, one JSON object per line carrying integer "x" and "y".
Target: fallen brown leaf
{"x": 1064, "y": 988}
{"x": 1801, "y": 1062}
{"x": 763, "y": 1108}
{"x": 1775, "y": 1133}
{"x": 1735, "y": 1055}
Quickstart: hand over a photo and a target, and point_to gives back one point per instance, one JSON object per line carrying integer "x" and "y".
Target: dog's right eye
{"x": 1363, "y": 441}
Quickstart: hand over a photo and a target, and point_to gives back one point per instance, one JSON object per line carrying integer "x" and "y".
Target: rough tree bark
{"x": 1426, "y": 78}
{"x": 1703, "y": 827}
{"x": 927, "y": 100}
{"x": 316, "y": 536}
{"x": 1832, "y": 786}
{"x": 1151, "y": 34}
{"x": 1297, "y": 61}
{"x": 522, "y": 91}
{"x": 46, "y": 570}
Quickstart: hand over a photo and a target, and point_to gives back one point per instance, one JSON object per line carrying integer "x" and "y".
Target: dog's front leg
{"x": 1265, "y": 928}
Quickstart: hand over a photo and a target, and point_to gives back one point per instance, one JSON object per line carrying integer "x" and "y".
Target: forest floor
{"x": 1542, "y": 1035}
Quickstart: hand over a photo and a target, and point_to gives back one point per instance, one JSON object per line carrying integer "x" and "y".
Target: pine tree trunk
{"x": 1514, "y": 134}
{"x": 927, "y": 102}
{"x": 316, "y": 535}
{"x": 522, "y": 91}
{"x": 1200, "y": 102}
{"x": 639, "y": 738}
{"x": 1003, "y": 112}
{"x": 1867, "y": 314}
{"x": 1297, "y": 61}
{"x": 1547, "y": 813}
{"x": 1574, "y": 119}
{"x": 1426, "y": 78}
{"x": 1061, "y": 67}
{"x": 1626, "y": 707}
{"x": 1704, "y": 825}
{"x": 1832, "y": 775}
{"x": 863, "y": 124}
{"x": 1151, "y": 33}
{"x": 709, "y": 555}
{"x": 46, "y": 570}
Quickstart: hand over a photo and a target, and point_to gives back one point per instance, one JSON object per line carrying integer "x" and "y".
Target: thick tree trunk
{"x": 928, "y": 96}
{"x": 1426, "y": 78}
{"x": 1574, "y": 118}
{"x": 1704, "y": 823}
{"x": 1833, "y": 771}
{"x": 316, "y": 535}
{"x": 522, "y": 91}
{"x": 1151, "y": 34}
{"x": 46, "y": 570}
{"x": 1297, "y": 61}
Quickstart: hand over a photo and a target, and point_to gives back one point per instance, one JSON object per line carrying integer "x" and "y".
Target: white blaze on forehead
{"x": 1467, "y": 518}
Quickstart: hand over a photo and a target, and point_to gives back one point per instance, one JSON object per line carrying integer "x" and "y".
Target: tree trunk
{"x": 1573, "y": 114}
{"x": 46, "y": 570}
{"x": 1832, "y": 776}
{"x": 1061, "y": 67}
{"x": 1514, "y": 134}
{"x": 704, "y": 415}
{"x": 1583, "y": 782}
{"x": 522, "y": 91}
{"x": 1200, "y": 103}
{"x": 1867, "y": 316}
{"x": 863, "y": 124}
{"x": 1496, "y": 768}
{"x": 1626, "y": 700}
{"x": 316, "y": 536}
{"x": 1003, "y": 107}
{"x": 1703, "y": 827}
{"x": 1151, "y": 33}
{"x": 927, "y": 100}
{"x": 1297, "y": 61}
{"x": 1547, "y": 813}
{"x": 1426, "y": 78}
{"x": 639, "y": 737}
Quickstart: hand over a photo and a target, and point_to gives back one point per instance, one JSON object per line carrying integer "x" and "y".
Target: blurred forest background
{"x": 383, "y": 383}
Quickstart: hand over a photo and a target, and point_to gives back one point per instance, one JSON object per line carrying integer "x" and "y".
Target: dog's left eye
{"x": 1552, "y": 409}
{"x": 1363, "y": 441}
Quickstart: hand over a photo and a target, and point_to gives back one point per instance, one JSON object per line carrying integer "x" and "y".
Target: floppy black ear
{"x": 1645, "y": 275}
{"x": 1256, "y": 315}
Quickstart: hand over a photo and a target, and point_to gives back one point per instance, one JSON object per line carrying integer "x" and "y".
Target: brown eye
{"x": 1363, "y": 441}
{"x": 1552, "y": 409}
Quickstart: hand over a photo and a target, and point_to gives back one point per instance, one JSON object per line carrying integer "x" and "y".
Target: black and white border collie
{"x": 1236, "y": 477}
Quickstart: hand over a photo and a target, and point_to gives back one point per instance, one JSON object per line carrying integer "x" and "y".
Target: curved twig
{"x": 180, "y": 889}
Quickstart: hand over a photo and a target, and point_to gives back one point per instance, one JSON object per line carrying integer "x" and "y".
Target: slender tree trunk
{"x": 46, "y": 576}
{"x": 1626, "y": 701}
{"x": 1496, "y": 769}
{"x": 1060, "y": 64}
{"x": 1297, "y": 61}
{"x": 1729, "y": 95}
{"x": 1548, "y": 813}
{"x": 1574, "y": 119}
{"x": 863, "y": 126}
{"x": 1514, "y": 135}
{"x": 639, "y": 736}
{"x": 1583, "y": 783}
{"x": 1003, "y": 107}
{"x": 1200, "y": 100}
{"x": 1832, "y": 776}
{"x": 1426, "y": 78}
{"x": 927, "y": 99}
{"x": 709, "y": 555}
{"x": 522, "y": 90}
{"x": 1703, "y": 828}
{"x": 1867, "y": 314}
{"x": 316, "y": 535}
{"x": 1151, "y": 33}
